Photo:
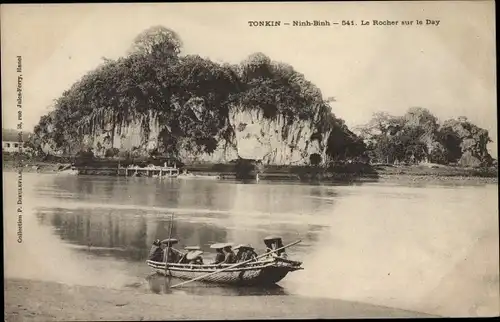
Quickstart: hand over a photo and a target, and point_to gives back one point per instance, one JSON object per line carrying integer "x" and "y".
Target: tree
{"x": 189, "y": 99}
{"x": 438, "y": 153}
{"x": 421, "y": 117}
{"x": 417, "y": 136}
{"x": 315, "y": 159}
{"x": 157, "y": 40}
{"x": 111, "y": 153}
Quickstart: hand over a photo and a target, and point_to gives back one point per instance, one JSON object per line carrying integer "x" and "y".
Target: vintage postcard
{"x": 249, "y": 160}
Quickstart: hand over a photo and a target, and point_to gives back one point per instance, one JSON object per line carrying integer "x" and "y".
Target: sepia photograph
{"x": 249, "y": 160}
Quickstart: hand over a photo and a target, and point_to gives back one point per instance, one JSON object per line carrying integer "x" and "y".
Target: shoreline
{"x": 429, "y": 178}
{"x": 30, "y": 300}
{"x": 394, "y": 173}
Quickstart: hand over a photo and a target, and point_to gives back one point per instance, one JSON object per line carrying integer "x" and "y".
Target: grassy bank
{"x": 436, "y": 170}
{"x": 28, "y": 300}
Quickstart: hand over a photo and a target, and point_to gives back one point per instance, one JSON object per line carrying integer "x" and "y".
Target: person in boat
{"x": 174, "y": 255}
{"x": 229, "y": 256}
{"x": 272, "y": 243}
{"x": 219, "y": 254}
{"x": 193, "y": 256}
{"x": 245, "y": 252}
{"x": 156, "y": 252}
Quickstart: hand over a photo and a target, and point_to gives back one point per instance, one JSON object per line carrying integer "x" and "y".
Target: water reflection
{"x": 111, "y": 233}
{"x": 197, "y": 194}
{"x": 130, "y": 213}
{"x": 391, "y": 244}
{"x": 117, "y": 218}
{"x": 161, "y": 285}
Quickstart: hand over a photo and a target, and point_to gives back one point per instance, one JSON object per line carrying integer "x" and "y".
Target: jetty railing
{"x": 131, "y": 171}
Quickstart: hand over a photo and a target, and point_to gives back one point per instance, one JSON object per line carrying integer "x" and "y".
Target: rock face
{"x": 273, "y": 142}
{"x": 255, "y": 137}
{"x": 469, "y": 160}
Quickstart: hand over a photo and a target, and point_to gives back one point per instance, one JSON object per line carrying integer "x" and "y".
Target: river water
{"x": 428, "y": 247}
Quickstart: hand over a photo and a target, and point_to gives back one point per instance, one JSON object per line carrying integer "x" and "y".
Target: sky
{"x": 449, "y": 69}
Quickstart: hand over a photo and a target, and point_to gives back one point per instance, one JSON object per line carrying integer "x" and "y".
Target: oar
{"x": 236, "y": 265}
{"x": 167, "y": 250}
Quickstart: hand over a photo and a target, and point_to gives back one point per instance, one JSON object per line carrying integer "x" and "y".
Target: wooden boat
{"x": 190, "y": 175}
{"x": 267, "y": 271}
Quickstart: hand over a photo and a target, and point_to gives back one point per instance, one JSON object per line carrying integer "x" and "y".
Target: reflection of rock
{"x": 128, "y": 238}
{"x": 103, "y": 234}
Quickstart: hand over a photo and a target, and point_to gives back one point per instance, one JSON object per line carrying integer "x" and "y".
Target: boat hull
{"x": 260, "y": 273}
{"x": 198, "y": 177}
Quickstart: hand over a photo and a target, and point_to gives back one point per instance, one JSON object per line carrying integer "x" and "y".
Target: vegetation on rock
{"x": 190, "y": 99}
{"x": 417, "y": 136}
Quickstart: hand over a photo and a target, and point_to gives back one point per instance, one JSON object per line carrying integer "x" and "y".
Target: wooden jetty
{"x": 131, "y": 171}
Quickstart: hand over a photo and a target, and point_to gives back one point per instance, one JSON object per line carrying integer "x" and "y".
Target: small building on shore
{"x": 12, "y": 142}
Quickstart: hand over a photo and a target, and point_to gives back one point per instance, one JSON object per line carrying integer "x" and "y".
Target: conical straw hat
{"x": 193, "y": 254}
{"x": 220, "y": 245}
